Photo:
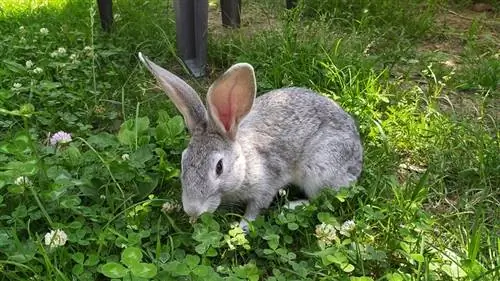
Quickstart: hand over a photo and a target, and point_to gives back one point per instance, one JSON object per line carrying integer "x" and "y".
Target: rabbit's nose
{"x": 192, "y": 210}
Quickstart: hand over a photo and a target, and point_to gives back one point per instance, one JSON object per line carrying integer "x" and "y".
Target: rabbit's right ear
{"x": 182, "y": 95}
{"x": 231, "y": 97}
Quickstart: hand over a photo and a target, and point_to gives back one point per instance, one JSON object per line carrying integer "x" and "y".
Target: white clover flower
{"x": 21, "y": 28}
{"x": 55, "y": 238}
{"x": 326, "y": 233}
{"x": 169, "y": 207}
{"x": 282, "y": 192}
{"x": 365, "y": 11}
{"x": 73, "y": 56}
{"x": 60, "y": 138}
{"x": 87, "y": 49}
{"x": 23, "y": 180}
{"x": 44, "y": 31}
{"x": 29, "y": 64}
{"x": 125, "y": 157}
{"x": 347, "y": 227}
{"x": 54, "y": 54}
{"x": 37, "y": 70}
{"x": 61, "y": 50}
{"x": 17, "y": 85}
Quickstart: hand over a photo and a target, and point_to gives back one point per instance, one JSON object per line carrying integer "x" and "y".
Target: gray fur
{"x": 290, "y": 136}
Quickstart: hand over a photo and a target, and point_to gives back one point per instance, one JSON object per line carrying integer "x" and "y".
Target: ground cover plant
{"x": 90, "y": 148}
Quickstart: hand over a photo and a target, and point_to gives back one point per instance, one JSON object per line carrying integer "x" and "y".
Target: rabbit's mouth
{"x": 193, "y": 219}
{"x": 195, "y": 207}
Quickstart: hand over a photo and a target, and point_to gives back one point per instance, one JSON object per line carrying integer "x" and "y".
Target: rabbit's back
{"x": 298, "y": 136}
{"x": 292, "y": 115}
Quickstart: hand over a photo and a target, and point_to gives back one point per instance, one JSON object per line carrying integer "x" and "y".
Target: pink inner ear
{"x": 225, "y": 104}
{"x": 225, "y": 116}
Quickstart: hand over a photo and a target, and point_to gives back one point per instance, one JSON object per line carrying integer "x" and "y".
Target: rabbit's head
{"x": 213, "y": 163}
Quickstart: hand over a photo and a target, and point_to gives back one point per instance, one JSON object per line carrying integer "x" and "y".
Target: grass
{"x": 420, "y": 78}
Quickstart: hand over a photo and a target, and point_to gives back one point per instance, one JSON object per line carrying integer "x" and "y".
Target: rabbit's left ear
{"x": 231, "y": 97}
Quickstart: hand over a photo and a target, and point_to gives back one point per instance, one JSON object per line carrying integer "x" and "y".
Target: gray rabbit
{"x": 244, "y": 149}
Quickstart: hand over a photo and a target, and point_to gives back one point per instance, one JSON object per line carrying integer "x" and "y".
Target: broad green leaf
{"x": 163, "y": 117}
{"x": 161, "y": 132}
{"x": 114, "y": 270}
{"x": 202, "y": 270}
{"x": 141, "y": 156}
{"x": 20, "y": 212}
{"x": 192, "y": 261}
{"x": 272, "y": 241}
{"x": 142, "y": 124}
{"x": 342, "y": 194}
{"x": 143, "y": 270}
{"x": 453, "y": 270}
{"x": 77, "y": 269}
{"x": 78, "y": 257}
{"x": 176, "y": 125}
{"x": 417, "y": 257}
{"x": 131, "y": 255}
{"x": 337, "y": 257}
{"x": 473, "y": 268}
{"x": 72, "y": 155}
{"x": 327, "y": 218}
{"x": 347, "y": 267}
{"x": 102, "y": 140}
{"x": 248, "y": 271}
{"x": 134, "y": 132}
{"x": 71, "y": 202}
{"x": 394, "y": 277}
{"x": 4, "y": 238}
{"x": 268, "y": 251}
{"x": 27, "y": 168}
{"x": 144, "y": 188}
{"x": 92, "y": 260}
{"x": 177, "y": 268}
{"x": 75, "y": 225}
{"x": 293, "y": 226}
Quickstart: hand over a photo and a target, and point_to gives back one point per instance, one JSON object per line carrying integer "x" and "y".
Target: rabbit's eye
{"x": 218, "y": 168}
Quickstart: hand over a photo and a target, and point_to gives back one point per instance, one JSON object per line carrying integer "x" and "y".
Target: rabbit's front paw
{"x": 294, "y": 204}
{"x": 244, "y": 226}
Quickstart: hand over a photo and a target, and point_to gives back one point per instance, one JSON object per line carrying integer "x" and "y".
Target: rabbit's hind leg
{"x": 325, "y": 163}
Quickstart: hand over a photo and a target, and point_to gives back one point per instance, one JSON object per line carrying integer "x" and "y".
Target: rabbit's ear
{"x": 231, "y": 97}
{"x": 182, "y": 95}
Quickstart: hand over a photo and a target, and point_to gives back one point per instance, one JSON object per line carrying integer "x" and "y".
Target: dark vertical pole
{"x": 201, "y": 35}
{"x": 290, "y": 4}
{"x": 184, "y": 28}
{"x": 191, "y": 23}
{"x": 230, "y": 10}
{"x": 106, "y": 13}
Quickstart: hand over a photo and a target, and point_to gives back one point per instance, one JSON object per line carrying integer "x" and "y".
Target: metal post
{"x": 290, "y": 4}
{"x": 106, "y": 14}
{"x": 230, "y": 11}
{"x": 191, "y": 22}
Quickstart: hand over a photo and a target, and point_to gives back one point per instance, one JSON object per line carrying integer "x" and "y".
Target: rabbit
{"x": 245, "y": 148}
